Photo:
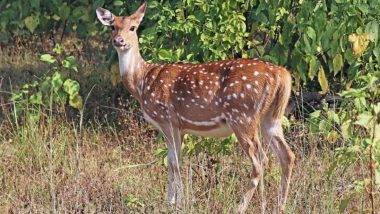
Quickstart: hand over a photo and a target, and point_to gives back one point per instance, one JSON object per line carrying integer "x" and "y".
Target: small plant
{"x": 361, "y": 129}
{"x": 52, "y": 90}
{"x": 357, "y": 124}
{"x": 325, "y": 122}
{"x": 133, "y": 202}
{"x": 193, "y": 145}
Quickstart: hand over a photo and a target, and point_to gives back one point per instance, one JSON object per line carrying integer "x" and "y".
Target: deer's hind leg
{"x": 174, "y": 140}
{"x": 274, "y": 137}
{"x": 249, "y": 140}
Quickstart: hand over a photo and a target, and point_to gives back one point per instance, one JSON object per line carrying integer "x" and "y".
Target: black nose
{"x": 118, "y": 41}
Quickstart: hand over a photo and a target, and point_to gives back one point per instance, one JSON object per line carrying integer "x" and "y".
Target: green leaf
{"x": 164, "y": 54}
{"x": 337, "y": 63}
{"x": 35, "y": 4}
{"x": 60, "y": 97}
{"x": 313, "y": 67}
{"x": 64, "y": 11}
{"x": 45, "y": 85}
{"x": 56, "y": 81}
{"x": 118, "y": 3}
{"x": 285, "y": 122}
{"x": 364, "y": 120}
{"x": 79, "y": 12}
{"x": 58, "y": 49}
{"x": 372, "y": 28}
{"x": 353, "y": 92}
{"x": 132, "y": 201}
{"x": 363, "y": 7}
{"x": 346, "y": 129}
{"x": 70, "y": 63}
{"x": 311, "y": 33}
{"x": 47, "y": 58}
{"x": 324, "y": 126}
{"x": 323, "y": 80}
{"x": 161, "y": 152}
{"x": 233, "y": 138}
{"x": 332, "y": 116}
{"x": 36, "y": 98}
{"x": 31, "y": 22}
{"x": 76, "y": 101}
{"x": 71, "y": 87}
{"x": 376, "y": 108}
{"x": 16, "y": 97}
{"x": 315, "y": 114}
{"x": 56, "y": 17}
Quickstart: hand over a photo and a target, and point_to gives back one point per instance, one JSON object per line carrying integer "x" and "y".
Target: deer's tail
{"x": 281, "y": 99}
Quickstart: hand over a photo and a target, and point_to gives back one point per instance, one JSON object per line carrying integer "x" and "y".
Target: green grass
{"x": 110, "y": 167}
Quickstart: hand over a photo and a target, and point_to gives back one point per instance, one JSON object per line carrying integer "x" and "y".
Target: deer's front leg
{"x": 175, "y": 187}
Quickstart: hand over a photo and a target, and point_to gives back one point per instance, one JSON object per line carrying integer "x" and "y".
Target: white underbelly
{"x": 221, "y": 131}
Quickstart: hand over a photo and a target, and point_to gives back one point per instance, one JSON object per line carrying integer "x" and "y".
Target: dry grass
{"x": 44, "y": 169}
{"x": 112, "y": 167}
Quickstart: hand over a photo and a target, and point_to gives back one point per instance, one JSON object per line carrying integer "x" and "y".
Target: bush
{"x": 51, "y": 92}
{"x": 330, "y": 41}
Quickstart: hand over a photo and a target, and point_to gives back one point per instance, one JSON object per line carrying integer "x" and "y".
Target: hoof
{"x": 243, "y": 205}
{"x": 175, "y": 202}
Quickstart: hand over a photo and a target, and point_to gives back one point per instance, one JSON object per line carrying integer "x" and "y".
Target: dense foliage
{"x": 332, "y": 41}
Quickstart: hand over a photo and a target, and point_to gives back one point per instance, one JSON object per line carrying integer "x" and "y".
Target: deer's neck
{"x": 132, "y": 68}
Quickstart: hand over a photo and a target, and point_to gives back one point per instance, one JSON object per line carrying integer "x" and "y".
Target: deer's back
{"x": 207, "y": 95}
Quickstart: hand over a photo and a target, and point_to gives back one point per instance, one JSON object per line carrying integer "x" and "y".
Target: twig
{"x": 5, "y": 92}
{"x": 2, "y": 103}
{"x": 82, "y": 110}
{"x": 372, "y": 166}
{"x": 136, "y": 165}
{"x": 63, "y": 30}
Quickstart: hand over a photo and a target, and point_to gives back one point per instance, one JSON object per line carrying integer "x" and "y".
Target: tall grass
{"x": 44, "y": 169}
{"x": 109, "y": 165}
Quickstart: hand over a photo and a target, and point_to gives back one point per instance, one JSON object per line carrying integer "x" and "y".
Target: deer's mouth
{"x": 122, "y": 47}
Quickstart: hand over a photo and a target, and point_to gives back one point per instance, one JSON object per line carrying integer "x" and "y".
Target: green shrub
{"x": 53, "y": 91}
{"x": 324, "y": 40}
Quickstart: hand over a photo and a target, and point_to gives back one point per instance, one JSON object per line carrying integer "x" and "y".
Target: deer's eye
{"x": 133, "y": 28}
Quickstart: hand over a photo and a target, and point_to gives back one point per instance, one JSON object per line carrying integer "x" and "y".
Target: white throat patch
{"x": 126, "y": 63}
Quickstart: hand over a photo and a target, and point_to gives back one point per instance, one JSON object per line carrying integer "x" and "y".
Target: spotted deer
{"x": 214, "y": 99}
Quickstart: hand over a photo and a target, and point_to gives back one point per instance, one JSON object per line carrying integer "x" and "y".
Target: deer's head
{"x": 124, "y": 35}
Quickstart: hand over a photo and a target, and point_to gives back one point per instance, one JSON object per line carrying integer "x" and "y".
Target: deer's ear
{"x": 105, "y": 16}
{"x": 140, "y": 12}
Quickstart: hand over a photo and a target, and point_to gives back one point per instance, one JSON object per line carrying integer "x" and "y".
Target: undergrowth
{"x": 105, "y": 158}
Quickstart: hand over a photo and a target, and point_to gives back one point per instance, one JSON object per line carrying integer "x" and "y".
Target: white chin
{"x": 122, "y": 48}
